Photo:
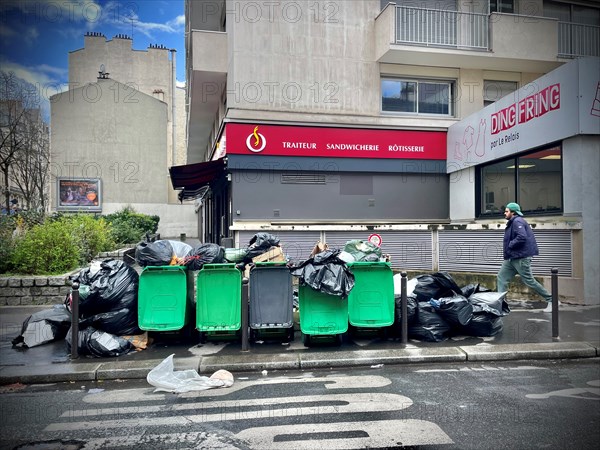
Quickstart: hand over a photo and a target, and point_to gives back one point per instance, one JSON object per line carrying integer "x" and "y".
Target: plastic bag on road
{"x": 327, "y": 273}
{"x": 490, "y": 302}
{"x": 410, "y": 285}
{"x": 411, "y": 312}
{"x": 164, "y": 378}
{"x": 473, "y": 288}
{"x": 44, "y": 326}
{"x": 455, "y": 310}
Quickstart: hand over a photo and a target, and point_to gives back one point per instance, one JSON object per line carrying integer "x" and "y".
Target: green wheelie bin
{"x": 165, "y": 298}
{"x": 371, "y": 301}
{"x": 218, "y": 302}
{"x": 322, "y": 316}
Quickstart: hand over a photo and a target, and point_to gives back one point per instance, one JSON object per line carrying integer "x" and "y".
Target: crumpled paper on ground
{"x": 164, "y": 378}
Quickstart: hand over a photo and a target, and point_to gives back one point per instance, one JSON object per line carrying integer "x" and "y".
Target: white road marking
{"x": 147, "y": 394}
{"x": 381, "y": 433}
{"x": 191, "y": 440}
{"x": 478, "y": 369}
{"x": 236, "y": 410}
{"x": 593, "y": 323}
{"x": 579, "y": 393}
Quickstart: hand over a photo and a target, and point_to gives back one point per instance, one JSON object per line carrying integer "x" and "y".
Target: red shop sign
{"x": 278, "y": 140}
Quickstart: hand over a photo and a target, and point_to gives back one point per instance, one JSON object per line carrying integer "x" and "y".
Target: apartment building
{"x": 116, "y": 131}
{"x": 339, "y": 120}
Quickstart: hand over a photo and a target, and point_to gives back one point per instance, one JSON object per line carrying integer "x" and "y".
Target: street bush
{"x": 49, "y": 248}
{"x": 129, "y": 226}
{"x": 61, "y": 244}
{"x": 7, "y": 227}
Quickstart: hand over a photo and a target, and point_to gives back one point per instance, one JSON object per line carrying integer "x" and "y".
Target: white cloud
{"x": 44, "y": 81}
{"x": 180, "y": 84}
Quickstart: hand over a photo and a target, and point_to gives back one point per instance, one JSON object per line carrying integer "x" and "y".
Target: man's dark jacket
{"x": 519, "y": 241}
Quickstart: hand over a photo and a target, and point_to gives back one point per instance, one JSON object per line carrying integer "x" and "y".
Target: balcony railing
{"x": 442, "y": 28}
{"x": 575, "y": 39}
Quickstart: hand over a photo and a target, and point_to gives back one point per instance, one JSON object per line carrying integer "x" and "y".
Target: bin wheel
{"x": 202, "y": 337}
{"x": 253, "y": 336}
{"x": 338, "y": 340}
{"x": 384, "y": 333}
{"x": 306, "y": 340}
{"x": 290, "y": 334}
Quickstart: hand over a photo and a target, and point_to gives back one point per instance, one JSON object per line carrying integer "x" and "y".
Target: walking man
{"x": 519, "y": 247}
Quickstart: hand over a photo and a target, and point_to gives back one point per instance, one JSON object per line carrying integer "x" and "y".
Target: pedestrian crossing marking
{"x": 147, "y": 394}
{"x": 234, "y": 410}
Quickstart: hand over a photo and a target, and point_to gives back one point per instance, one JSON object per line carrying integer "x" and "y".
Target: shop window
{"x": 533, "y": 180}
{"x": 417, "y": 96}
{"x": 495, "y": 90}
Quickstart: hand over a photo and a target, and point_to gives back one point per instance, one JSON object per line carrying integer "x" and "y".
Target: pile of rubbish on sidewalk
{"x": 437, "y": 307}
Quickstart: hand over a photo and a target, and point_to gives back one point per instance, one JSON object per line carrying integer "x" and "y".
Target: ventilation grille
{"x": 302, "y": 178}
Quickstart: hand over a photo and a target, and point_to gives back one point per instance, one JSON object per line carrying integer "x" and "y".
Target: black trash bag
{"x": 259, "y": 244}
{"x": 99, "y": 344}
{"x": 473, "y": 288}
{"x": 455, "y": 310}
{"x": 429, "y": 326}
{"x": 113, "y": 285}
{"x": 436, "y": 285}
{"x": 363, "y": 250}
{"x": 325, "y": 272}
{"x": 411, "y": 313}
{"x": 122, "y": 322}
{"x": 482, "y": 324}
{"x": 44, "y": 326}
{"x": 490, "y": 302}
{"x": 157, "y": 253}
{"x": 205, "y": 254}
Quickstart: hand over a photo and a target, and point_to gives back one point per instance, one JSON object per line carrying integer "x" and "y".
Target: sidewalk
{"x": 527, "y": 335}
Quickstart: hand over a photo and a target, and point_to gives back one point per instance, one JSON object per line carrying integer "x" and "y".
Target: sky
{"x": 36, "y": 36}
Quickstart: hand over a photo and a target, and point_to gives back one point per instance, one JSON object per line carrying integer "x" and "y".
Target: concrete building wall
{"x": 581, "y": 172}
{"x": 303, "y": 63}
{"x": 123, "y": 143}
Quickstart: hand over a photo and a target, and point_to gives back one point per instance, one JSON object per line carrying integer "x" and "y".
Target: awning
{"x": 192, "y": 179}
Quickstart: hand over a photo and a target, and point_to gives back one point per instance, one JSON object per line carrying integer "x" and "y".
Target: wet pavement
{"x": 527, "y": 333}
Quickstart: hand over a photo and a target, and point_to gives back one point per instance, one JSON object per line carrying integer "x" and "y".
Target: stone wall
{"x": 47, "y": 290}
{"x": 34, "y": 290}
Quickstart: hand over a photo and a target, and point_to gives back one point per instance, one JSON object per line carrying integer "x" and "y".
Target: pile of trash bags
{"x": 174, "y": 253}
{"x": 325, "y": 272}
{"x": 438, "y": 308}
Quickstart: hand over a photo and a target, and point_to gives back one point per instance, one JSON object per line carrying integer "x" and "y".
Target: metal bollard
{"x": 182, "y": 237}
{"x": 554, "y": 272}
{"x": 245, "y": 346}
{"x": 403, "y": 310}
{"x": 75, "y": 320}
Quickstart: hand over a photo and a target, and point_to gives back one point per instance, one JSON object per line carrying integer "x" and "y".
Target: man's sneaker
{"x": 549, "y": 307}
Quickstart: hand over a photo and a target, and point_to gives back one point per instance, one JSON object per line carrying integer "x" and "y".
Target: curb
{"x": 97, "y": 371}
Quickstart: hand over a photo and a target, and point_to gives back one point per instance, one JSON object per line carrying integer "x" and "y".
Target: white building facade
{"x": 330, "y": 120}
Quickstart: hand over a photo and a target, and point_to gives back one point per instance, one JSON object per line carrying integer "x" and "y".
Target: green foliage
{"x": 92, "y": 235}
{"x": 129, "y": 227}
{"x": 61, "y": 244}
{"x": 49, "y": 248}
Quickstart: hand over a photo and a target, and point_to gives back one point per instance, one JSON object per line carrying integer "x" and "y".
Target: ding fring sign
{"x": 554, "y": 107}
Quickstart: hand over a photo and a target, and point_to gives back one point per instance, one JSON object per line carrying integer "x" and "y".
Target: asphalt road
{"x": 551, "y": 404}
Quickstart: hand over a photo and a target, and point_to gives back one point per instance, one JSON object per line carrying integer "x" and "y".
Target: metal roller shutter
{"x": 408, "y": 249}
{"x": 296, "y": 245}
{"x": 481, "y": 251}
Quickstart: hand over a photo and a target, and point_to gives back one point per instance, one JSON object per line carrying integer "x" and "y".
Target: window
{"x": 417, "y": 96}
{"x": 502, "y": 6}
{"x": 495, "y": 90}
{"x": 533, "y": 180}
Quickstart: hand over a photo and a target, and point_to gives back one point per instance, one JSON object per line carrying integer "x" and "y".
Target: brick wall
{"x": 33, "y": 290}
